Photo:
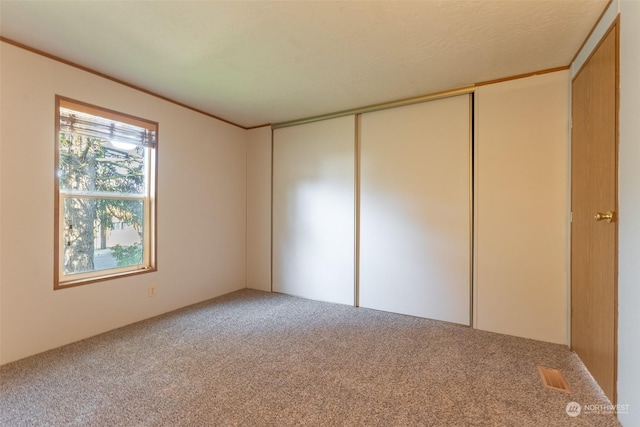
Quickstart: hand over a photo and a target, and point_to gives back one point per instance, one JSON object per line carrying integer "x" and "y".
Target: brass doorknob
{"x": 607, "y": 216}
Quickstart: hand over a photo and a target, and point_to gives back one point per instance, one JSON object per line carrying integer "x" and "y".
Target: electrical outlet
{"x": 152, "y": 290}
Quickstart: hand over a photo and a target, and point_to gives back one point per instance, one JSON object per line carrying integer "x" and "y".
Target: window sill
{"x": 79, "y": 282}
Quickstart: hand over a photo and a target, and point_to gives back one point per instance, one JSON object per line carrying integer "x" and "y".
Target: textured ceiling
{"x": 257, "y": 62}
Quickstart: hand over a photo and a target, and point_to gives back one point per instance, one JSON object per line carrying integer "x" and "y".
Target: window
{"x": 105, "y": 194}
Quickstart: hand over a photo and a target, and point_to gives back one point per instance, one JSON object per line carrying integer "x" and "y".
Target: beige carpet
{"x": 252, "y": 359}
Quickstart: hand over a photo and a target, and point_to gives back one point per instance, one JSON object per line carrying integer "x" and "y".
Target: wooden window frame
{"x": 150, "y": 201}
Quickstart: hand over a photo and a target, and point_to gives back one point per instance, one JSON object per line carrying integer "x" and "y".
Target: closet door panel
{"x": 313, "y": 210}
{"x": 415, "y": 210}
{"x": 522, "y": 207}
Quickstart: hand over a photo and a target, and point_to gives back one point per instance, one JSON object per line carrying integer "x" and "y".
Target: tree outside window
{"x": 105, "y": 192}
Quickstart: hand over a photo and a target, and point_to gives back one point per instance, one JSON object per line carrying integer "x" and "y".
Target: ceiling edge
{"x": 376, "y": 107}
{"x": 357, "y": 110}
{"x": 606, "y": 8}
{"x": 521, "y": 76}
{"x": 116, "y": 80}
{"x": 258, "y": 126}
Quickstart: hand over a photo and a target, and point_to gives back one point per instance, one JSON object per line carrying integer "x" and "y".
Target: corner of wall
{"x": 246, "y": 205}
{"x": 629, "y": 206}
{"x": 594, "y": 38}
{"x": 1, "y": 97}
{"x": 258, "y": 205}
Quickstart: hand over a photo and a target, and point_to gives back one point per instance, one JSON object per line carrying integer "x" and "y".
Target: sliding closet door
{"x": 313, "y": 210}
{"x": 415, "y": 210}
{"x": 522, "y": 172}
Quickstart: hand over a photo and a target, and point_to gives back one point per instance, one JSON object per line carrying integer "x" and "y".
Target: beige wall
{"x": 1, "y": 205}
{"x": 522, "y": 182}
{"x": 201, "y": 210}
{"x": 629, "y": 203}
{"x": 259, "y": 208}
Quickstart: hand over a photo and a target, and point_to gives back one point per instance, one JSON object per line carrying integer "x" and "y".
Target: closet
{"x": 429, "y": 210}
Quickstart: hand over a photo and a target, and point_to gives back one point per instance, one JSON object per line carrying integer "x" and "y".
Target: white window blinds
{"x": 130, "y": 131}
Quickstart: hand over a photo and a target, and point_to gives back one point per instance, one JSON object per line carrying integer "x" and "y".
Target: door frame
{"x": 615, "y": 27}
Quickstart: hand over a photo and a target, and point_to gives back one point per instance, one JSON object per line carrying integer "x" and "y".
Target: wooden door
{"x": 594, "y": 190}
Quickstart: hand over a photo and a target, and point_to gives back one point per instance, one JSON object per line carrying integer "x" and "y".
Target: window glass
{"x": 105, "y": 191}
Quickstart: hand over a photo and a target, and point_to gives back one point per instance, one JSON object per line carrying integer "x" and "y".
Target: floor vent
{"x": 553, "y": 379}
